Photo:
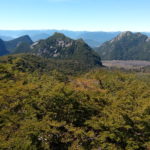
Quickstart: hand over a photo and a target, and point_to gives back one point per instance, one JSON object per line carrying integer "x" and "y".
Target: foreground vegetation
{"x": 44, "y": 107}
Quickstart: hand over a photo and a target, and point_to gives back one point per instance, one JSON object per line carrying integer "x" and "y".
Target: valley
{"x": 126, "y": 64}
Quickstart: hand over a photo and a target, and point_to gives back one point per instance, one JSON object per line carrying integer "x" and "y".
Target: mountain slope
{"x": 61, "y": 47}
{"x": 22, "y": 48}
{"x": 126, "y": 46}
{"x": 11, "y": 45}
{"x": 3, "y": 50}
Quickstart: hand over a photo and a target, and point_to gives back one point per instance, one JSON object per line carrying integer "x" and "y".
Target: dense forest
{"x": 62, "y": 105}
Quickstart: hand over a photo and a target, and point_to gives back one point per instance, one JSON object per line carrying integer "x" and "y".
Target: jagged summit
{"x": 126, "y": 33}
{"x": 129, "y": 34}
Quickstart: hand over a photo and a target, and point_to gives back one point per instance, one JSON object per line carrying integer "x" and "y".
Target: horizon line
{"x": 72, "y": 30}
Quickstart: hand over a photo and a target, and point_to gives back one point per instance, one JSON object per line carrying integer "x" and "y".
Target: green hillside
{"x": 42, "y": 107}
{"x": 126, "y": 46}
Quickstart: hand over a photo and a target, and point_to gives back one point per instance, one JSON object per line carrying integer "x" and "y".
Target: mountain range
{"x": 63, "y": 50}
{"x": 126, "y": 46}
{"x": 93, "y": 39}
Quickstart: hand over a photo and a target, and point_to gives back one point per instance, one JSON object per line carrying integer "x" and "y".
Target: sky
{"x": 76, "y": 15}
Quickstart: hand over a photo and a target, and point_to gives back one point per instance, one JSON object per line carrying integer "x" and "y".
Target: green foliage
{"x": 43, "y": 107}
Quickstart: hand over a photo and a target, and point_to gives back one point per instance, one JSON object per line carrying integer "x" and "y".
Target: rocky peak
{"x": 53, "y": 46}
{"x": 128, "y": 34}
{"x": 122, "y": 35}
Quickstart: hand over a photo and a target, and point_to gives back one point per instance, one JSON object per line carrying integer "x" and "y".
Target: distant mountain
{"x": 41, "y": 36}
{"x": 46, "y": 33}
{"x": 126, "y": 46}
{"x": 62, "y": 47}
{"x": 11, "y": 45}
{"x": 92, "y": 43}
{"x": 3, "y": 50}
{"x": 95, "y": 39}
{"x": 5, "y": 38}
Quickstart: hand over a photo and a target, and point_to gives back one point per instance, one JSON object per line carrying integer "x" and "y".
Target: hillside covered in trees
{"x": 48, "y": 105}
{"x": 126, "y": 46}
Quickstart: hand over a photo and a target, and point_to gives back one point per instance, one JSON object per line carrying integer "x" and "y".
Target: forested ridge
{"x": 126, "y": 46}
{"x": 49, "y": 105}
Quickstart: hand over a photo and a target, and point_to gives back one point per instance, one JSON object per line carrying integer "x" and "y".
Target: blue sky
{"x": 89, "y": 15}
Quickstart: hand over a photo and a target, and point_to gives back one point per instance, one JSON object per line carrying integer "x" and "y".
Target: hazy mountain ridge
{"x": 125, "y": 46}
{"x": 94, "y": 39}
